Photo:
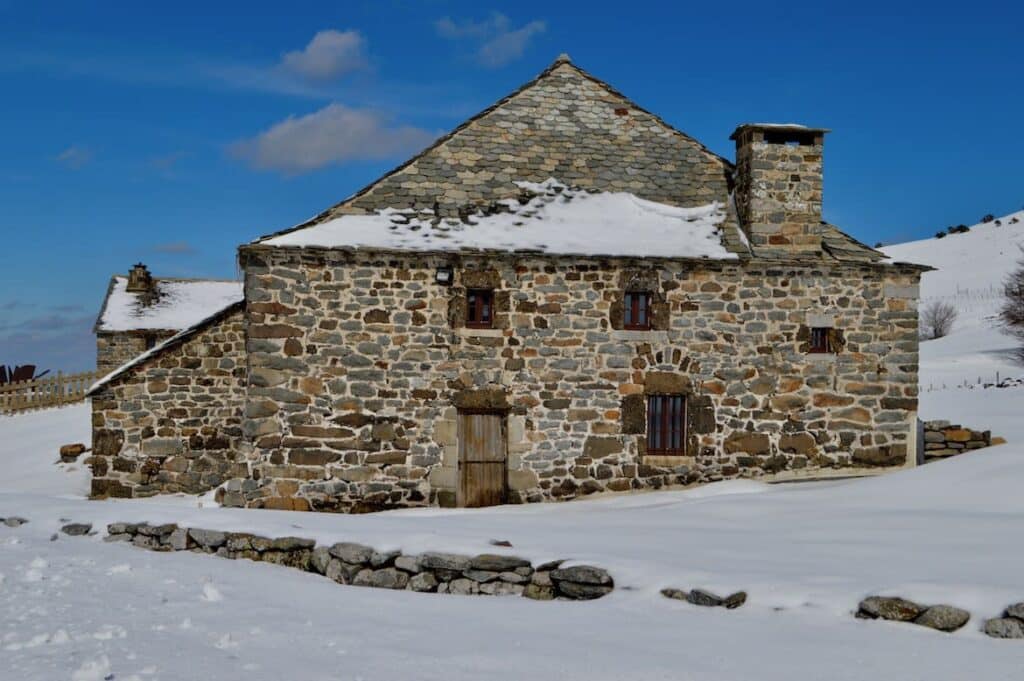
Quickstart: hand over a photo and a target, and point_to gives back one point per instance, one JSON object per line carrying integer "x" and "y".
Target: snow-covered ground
{"x": 81, "y": 609}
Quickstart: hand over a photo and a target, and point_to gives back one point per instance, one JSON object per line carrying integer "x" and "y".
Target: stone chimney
{"x": 778, "y": 186}
{"x": 140, "y": 280}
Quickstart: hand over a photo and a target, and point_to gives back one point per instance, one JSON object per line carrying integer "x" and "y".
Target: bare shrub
{"x": 1012, "y": 312}
{"x": 937, "y": 319}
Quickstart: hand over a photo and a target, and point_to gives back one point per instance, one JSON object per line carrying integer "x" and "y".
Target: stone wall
{"x": 488, "y": 574}
{"x": 567, "y": 126}
{"x": 942, "y": 439}
{"x": 357, "y": 373}
{"x": 174, "y": 423}
{"x": 117, "y": 348}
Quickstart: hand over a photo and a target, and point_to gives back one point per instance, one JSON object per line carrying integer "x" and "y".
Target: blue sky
{"x": 172, "y": 132}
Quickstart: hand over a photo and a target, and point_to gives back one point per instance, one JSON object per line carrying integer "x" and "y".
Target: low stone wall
{"x": 942, "y": 439}
{"x": 360, "y": 565}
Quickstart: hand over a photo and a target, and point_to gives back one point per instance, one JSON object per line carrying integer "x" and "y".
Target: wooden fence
{"x": 51, "y": 391}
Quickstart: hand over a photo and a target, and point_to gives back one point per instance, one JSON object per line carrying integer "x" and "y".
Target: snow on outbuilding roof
{"x": 175, "y": 304}
{"x": 548, "y": 217}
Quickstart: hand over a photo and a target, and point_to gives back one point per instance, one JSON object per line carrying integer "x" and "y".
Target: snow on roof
{"x": 177, "y": 305}
{"x": 550, "y": 217}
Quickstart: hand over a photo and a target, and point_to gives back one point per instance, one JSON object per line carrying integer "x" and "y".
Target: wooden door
{"x": 482, "y": 459}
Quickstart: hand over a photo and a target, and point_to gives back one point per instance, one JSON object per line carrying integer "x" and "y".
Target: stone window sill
{"x": 479, "y": 333}
{"x": 669, "y": 461}
{"x": 645, "y": 336}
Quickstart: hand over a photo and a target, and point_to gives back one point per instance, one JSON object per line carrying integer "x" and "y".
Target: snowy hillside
{"x": 970, "y": 269}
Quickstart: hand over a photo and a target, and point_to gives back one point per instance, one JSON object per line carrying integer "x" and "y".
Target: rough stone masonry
{"x": 357, "y": 363}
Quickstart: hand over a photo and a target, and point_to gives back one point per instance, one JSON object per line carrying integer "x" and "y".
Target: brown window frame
{"x": 666, "y": 424}
{"x": 636, "y": 304}
{"x": 149, "y": 341}
{"x": 479, "y": 308}
{"x": 821, "y": 340}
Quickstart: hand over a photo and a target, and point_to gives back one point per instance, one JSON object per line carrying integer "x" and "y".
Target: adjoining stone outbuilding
{"x": 141, "y": 311}
{"x": 563, "y": 296}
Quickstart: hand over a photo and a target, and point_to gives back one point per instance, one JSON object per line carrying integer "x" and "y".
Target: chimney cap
{"x": 782, "y": 127}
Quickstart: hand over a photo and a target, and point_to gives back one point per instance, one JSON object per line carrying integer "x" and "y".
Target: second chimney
{"x": 139, "y": 280}
{"x": 778, "y": 186}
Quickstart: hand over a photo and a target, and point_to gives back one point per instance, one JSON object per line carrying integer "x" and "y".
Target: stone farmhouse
{"x": 563, "y": 296}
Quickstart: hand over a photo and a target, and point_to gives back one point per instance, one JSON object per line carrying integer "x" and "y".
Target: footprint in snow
{"x": 211, "y": 594}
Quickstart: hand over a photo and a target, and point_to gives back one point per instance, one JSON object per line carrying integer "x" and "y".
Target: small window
{"x": 637, "y": 311}
{"x": 479, "y": 309}
{"x": 821, "y": 340}
{"x": 150, "y": 340}
{"x": 666, "y": 425}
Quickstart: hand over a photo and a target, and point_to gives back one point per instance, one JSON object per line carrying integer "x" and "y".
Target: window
{"x": 479, "y": 308}
{"x": 666, "y": 425}
{"x": 821, "y": 340}
{"x": 150, "y": 340}
{"x": 637, "y": 311}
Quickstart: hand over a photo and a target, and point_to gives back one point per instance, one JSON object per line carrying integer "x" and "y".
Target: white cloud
{"x": 74, "y": 157}
{"x": 497, "y": 42}
{"x": 328, "y": 56}
{"x": 332, "y": 135}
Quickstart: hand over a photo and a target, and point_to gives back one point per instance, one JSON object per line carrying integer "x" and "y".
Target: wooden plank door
{"x": 482, "y": 459}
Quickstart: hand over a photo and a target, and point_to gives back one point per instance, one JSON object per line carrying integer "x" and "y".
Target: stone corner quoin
{"x": 348, "y": 381}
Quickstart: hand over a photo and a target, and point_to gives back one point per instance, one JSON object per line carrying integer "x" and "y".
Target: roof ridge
{"x": 562, "y": 60}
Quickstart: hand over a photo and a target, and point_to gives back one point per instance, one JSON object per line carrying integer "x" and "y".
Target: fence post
{"x": 60, "y": 388}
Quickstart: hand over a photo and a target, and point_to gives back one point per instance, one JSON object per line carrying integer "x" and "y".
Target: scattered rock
{"x": 943, "y": 618}
{"x": 76, "y": 529}
{"x": 704, "y": 598}
{"x": 676, "y": 594}
{"x": 582, "y": 592}
{"x": 13, "y": 521}
{"x": 1005, "y": 627}
{"x": 733, "y": 601}
{"x": 889, "y": 608}
{"x": 539, "y": 593}
{"x": 501, "y": 542}
{"x": 70, "y": 453}
{"x": 1016, "y": 610}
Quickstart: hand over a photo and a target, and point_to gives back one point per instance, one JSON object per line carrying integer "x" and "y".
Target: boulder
{"x": 1015, "y": 610}
{"x": 76, "y": 529}
{"x": 943, "y": 618}
{"x": 704, "y": 598}
{"x": 408, "y": 563}
{"x": 1004, "y": 627}
{"x": 70, "y": 453}
{"x": 889, "y": 608}
{"x": 733, "y": 601}
{"x": 582, "y": 574}
{"x": 208, "y": 539}
{"x": 357, "y": 554}
{"x": 388, "y": 578}
{"x": 444, "y": 561}
{"x": 582, "y": 592}
{"x": 178, "y": 540}
{"x": 423, "y": 582}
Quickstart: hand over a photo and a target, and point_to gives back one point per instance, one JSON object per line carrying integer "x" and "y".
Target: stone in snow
{"x": 702, "y": 597}
{"x": 76, "y": 529}
{"x": 13, "y": 521}
{"x": 582, "y": 574}
{"x": 497, "y": 563}
{"x": 943, "y": 618}
{"x": 889, "y": 608}
{"x": 1005, "y": 627}
{"x": 357, "y": 554}
{"x": 1016, "y": 610}
{"x": 210, "y": 539}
